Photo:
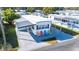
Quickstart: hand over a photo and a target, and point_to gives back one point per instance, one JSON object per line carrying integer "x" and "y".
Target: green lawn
{"x": 11, "y": 35}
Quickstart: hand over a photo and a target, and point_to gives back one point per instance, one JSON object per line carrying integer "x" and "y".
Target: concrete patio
{"x": 32, "y": 46}
{"x": 27, "y": 43}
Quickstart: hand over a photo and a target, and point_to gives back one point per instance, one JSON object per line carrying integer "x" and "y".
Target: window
{"x": 63, "y": 20}
{"x": 76, "y": 22}
{"x": 32, "y": 27}
{"x": 37, "y": 27}
{"x": 42, "y": 26}
{"x": 48, "y": 26}
{"x": 58, "y": 19}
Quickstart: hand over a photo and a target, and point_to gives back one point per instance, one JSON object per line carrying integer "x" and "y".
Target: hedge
{"x": 66, "y": 30}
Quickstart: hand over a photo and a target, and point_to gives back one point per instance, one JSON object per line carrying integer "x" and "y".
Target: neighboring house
{"x": 38, "y": 13}
{"x": 69, "y": 17}
{"x": 68, "y": 12}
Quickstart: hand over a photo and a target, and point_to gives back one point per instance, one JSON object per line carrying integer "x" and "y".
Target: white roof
{"x": 60, "y": 16}
{"x": 35, "y": 19}
{"x": 67, "y": 16}
{"x": 20, "y": 19}
{"x": 75, "y": 17}
{"x": 60, "y": 11}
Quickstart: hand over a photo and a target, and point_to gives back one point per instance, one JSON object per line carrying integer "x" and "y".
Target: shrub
{"x": 17, "y": 16}
{"x": 9, "y": 15}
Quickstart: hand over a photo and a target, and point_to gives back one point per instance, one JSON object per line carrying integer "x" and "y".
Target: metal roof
{"x": 23, "y": 22}
{"x": 35, "y": 19}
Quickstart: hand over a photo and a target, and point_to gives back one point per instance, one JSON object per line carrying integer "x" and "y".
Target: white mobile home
{"x": 36, "y": 24}
{"x": 68, "y": 12}
{"x": 68, "y": 21}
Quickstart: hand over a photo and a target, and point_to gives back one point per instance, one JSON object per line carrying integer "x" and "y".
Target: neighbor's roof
{"x": 34, "y": 19}
{"x": 67, "y": 16}
{"x": 75, "y": 17}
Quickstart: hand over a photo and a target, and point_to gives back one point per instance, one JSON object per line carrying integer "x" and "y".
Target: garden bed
{"x": 11, "y": 35}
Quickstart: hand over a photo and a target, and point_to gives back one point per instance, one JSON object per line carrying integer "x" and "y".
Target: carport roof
{"x": 23, "y": 22}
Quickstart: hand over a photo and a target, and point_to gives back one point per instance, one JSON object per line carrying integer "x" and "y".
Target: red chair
{"x": 41, "y": 33}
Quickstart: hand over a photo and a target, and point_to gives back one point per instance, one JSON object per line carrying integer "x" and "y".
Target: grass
{"x": 66, "y": 30}
{"x": 11, "y": 35}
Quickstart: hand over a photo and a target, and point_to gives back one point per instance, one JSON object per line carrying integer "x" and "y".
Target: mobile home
{"x": 37, "y": 26}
